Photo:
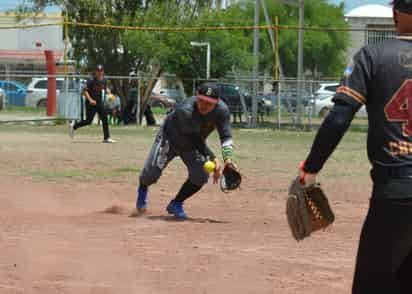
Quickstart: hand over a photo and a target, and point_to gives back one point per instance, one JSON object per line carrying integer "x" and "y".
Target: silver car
{"x": 320, "y": 107}
{"x": 2, "y": 99}
{"x": 37, "y": 90}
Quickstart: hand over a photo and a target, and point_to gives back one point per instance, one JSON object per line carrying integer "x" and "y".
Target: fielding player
{"x": 184, "y": 134}
{"x": 380, "y": 78}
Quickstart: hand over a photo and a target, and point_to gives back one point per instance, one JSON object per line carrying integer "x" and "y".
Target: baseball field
{"x": 65, "y": 225}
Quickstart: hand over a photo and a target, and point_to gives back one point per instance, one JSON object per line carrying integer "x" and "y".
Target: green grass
{"x": 45, "y": 153}
{"x": 160, "y": 110}
{"x": 16, "y": 110}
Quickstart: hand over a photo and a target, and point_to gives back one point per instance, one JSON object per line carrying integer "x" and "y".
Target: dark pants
{"x": 384, "y": 260}
{"x": 90, "y": 113}
{"x": 162, "y": 153}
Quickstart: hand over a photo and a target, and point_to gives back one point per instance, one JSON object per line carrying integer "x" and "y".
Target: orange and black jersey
{"x": 380, "y": 77}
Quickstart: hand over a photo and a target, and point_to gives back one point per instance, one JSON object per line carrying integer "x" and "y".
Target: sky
{"x": 349, "y": 4}
{"x": 6, "y": 5}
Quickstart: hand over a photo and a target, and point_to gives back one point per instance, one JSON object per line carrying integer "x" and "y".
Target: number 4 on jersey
{"x": 399, "y": 110}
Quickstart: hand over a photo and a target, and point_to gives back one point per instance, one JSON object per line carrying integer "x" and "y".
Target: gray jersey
{"x": 185, "y": 124}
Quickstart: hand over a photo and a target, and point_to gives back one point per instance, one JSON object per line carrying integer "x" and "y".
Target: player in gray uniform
{"x": 184, "y": 134}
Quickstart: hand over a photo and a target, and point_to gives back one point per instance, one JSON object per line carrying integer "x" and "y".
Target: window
{"x": 8, "y": 86}
{"x": 230, "y": 91}
{"x": 42, "y": 84}
{"x": 331, "y": 88}
{"x": 379, "y": 33}
{"x": 59, "y": 84}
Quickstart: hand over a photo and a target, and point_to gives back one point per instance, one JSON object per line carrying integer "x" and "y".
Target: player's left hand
{"x": 218, "y": 171}
{"x": 306, "y": 179}
{"x": 231, "y": 177}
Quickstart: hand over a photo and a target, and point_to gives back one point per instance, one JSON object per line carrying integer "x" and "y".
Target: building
{"x": 370, "y": 24}
{"x": 22, "y": 49}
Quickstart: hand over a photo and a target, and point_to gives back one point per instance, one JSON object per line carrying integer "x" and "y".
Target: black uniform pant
{"x": 90, "y": 113}
{"x": 384, "y": 260}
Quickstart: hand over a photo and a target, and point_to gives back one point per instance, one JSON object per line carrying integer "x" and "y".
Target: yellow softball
{"x": 209, "y": 166}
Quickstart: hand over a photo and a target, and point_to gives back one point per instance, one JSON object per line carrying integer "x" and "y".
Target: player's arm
{"x": 225, "y": 134}
{"x": 86, "y": 93}
{"x": 350, "y": 96}
{"x": 202, "y": 147}
{"x": 329, "y": 135}
{"x": 108, "y": 91}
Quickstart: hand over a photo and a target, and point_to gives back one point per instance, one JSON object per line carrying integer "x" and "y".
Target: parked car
{"x": 174, "y": 94}
{"x": 326, "y": 89}
{"x": 289, "y": 98}
{"x": 321, "y": 107}
{"x": 15, "y": 92}
{"x": 2, "y": 99}
{"x": 268, "y": 102}
{"x": 37, "y": 90}
{"x": 234, "y": 97}
{"x": 162, "y": 101}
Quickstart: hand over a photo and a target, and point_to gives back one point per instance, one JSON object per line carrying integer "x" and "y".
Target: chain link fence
{"x": 142, "y": 100}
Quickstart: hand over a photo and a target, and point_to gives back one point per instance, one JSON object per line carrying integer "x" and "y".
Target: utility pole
{"x": 271, "y": 33}
{"x": 255, "y": 66}
{"x": 300, "y": 61}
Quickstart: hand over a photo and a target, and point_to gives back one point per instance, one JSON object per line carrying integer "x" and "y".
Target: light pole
{"x": 207, "y": 55}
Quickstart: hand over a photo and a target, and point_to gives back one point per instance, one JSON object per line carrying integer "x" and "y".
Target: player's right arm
{"x": 86, "y": 93}
{"x": 349, "y": 98}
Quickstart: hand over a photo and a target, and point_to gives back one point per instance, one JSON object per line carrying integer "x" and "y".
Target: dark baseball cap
{"x": 99, "y": 67}
{"x": 404, "y": 6}
{"x": 209, "y": 92}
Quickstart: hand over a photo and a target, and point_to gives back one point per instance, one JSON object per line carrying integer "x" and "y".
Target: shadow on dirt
{"x": 169, "y": 218}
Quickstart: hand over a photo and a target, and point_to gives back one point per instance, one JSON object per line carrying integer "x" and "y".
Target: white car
{"x": 2, "y": 99}
{"x": 37, "y": 91}
{"x": 323, "y": 104}
{"x": 326, "y": 89}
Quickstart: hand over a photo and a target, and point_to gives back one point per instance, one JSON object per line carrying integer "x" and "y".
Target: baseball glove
{"x": 231, "y": 178}
{"x": 307, "y": 210}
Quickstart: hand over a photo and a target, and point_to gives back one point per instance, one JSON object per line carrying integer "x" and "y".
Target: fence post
{"x": 276, "y": 29}
{"x": 138, "y": 104}
{"x": 279, "y": 104}
{"x": 194, "y": 87}
{"x": 308, "y": 109}
{"x": 277, "y": 82}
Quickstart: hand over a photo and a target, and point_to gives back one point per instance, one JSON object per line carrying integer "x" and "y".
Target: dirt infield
{"x": 65, "y": 225}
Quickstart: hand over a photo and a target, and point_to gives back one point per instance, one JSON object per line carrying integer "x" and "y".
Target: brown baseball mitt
{"x": 307, "y": 210}
{"x": 231, "y": 178}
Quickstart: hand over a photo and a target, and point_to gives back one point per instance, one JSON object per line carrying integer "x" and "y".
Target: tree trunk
{"x": 156, "y": 72}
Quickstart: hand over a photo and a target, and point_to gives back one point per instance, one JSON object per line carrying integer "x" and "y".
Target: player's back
{"x": 388, "y": 99}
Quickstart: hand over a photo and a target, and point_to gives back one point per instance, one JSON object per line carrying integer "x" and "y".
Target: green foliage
{"x": 323, "y": 50}
{"x": 124, "y": 50}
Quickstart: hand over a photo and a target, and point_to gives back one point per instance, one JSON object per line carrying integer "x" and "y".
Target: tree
{"x": 154, "y": 52}
{"x": 323, "y": 50}
{"x": 151, "y": 52}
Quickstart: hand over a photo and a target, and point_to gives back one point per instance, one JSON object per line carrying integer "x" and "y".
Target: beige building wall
{"x": 358, "y": 38}
{"x": 17, "y": 39}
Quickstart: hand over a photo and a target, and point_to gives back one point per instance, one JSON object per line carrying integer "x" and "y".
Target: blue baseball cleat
{"x": 176, "y": 208}
{"x": 141, "y": 202}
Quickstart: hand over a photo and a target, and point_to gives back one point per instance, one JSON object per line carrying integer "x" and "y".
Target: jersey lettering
{"x": 399, "y": 108}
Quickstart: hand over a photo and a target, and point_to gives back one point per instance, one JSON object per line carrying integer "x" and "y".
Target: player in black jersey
{"x": 184, "y": 134}
{"x": 380, "y": 77}
{"x": 95, "y": 93}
